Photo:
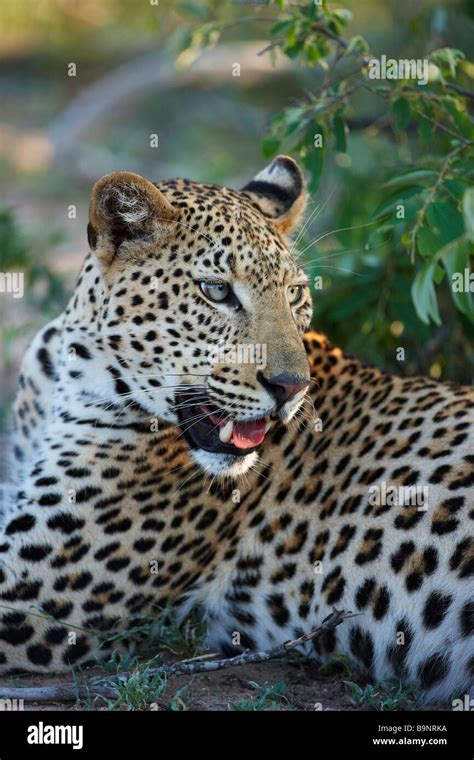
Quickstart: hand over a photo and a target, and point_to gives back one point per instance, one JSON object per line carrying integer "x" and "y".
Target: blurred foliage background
{"x": 86, "y": 84}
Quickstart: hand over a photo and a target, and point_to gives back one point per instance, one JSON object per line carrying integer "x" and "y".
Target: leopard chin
{"x": 224, "y": 465}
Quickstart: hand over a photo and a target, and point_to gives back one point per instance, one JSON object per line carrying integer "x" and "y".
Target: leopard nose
{"x": 283, "y": 387}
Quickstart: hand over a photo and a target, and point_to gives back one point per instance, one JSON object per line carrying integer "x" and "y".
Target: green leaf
{"x": 401, "y": 110}
{"x": 339, "y": 126}
{"x": 410, "y": 176}
{"x": 312, "y": 51}
{"x": 425, "y": 129}
{"x": 393, "y": 200}
{"x": 448, "y": 59}
{"x": 468, "y": 212}
{"x": 456, "y": 187}
{"x": 456, "y": 261}
{"x": 357, "y": 43}
{"x": 428, "y": 243}
{"x": 460, "y": 119}
{"x": 270, "y": 144}
{"x": 424, "y": 295}
{"x": 438, "y": 274}
{"x": 445, "y": 220}
{"x": 313, "y": 157}
{"x": 294, "y": 127}
{"x": 313, "y": 162}
{"x": 293, "y": 50}
{"x": 282, "y": 27}
{"x": 294, "y": 115}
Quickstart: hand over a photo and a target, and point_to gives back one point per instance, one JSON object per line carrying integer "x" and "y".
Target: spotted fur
{"x": 115, "y": 515}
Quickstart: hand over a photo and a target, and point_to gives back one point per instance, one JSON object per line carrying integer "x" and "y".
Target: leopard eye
{"x": 294, "y": 294}
{"x": 215, "y": 291}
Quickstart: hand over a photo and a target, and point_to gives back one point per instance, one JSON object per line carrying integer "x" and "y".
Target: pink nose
{"x": 283, "y": 387}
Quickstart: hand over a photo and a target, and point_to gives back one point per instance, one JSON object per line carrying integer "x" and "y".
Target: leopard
{"x": 182, "y": 436}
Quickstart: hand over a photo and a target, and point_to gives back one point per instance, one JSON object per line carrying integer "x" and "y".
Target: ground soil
{"x": 306, "y": 689}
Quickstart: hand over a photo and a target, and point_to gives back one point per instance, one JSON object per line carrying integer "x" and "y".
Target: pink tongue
{"x": 248, "y": 434}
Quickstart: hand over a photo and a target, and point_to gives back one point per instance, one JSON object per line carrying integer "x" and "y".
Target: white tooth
{"x": 225, "y": 433}
{"x": 268, "y": 426}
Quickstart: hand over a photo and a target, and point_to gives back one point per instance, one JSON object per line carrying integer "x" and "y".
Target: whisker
{"x": 127, "y": 394}
{"x": 193, "y": 474}
{"x": 331, "y": 193}
{"x": 341, "y": 229}
{"x": 197, "y": 419}
{"x": 189, "y": 389}
{"x": 328, "y": 266}
{"x": 304, "y": 228}
{"x": 161, "y": 375}
{"x": 260, "y": 474}
{"x": 345, "y": 250}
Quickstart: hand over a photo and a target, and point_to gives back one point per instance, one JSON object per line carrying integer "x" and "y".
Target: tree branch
{"x": 461, "y": 90}
{"x": 364, "y": 58}
{"x": 103, "y": 686}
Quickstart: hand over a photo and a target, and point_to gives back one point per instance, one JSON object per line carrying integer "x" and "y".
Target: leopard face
{"x": 204, "y": 306}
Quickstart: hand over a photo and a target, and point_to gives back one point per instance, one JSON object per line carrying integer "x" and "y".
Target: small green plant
{"x": 269, "y": 697}
{"x": 162, "y": 631}
{"x": 385, "y": 695}
{"x": 184, "y": 640}
{"x": 137, "y": 690}
{"x": 119, "y": 662}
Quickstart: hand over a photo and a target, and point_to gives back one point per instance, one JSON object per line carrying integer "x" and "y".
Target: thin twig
{"x": 461, "y": 90}
{"x": 420, "y": 218}
{"x": 103, "y": 686}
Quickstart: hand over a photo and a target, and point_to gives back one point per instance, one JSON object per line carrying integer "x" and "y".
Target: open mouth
{"x": 204, "y": 427}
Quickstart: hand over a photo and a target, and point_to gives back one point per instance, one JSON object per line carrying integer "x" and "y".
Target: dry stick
{"x": 99, "y": 686}
{"x": 65, "y": 693}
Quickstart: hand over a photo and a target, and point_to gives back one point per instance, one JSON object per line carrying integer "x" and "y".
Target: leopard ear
{"x": 279, "y": 192}
{"x": 125, "y": 207}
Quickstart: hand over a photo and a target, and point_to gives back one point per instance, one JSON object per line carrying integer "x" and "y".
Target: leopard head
{"x": 205, "y": 305}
